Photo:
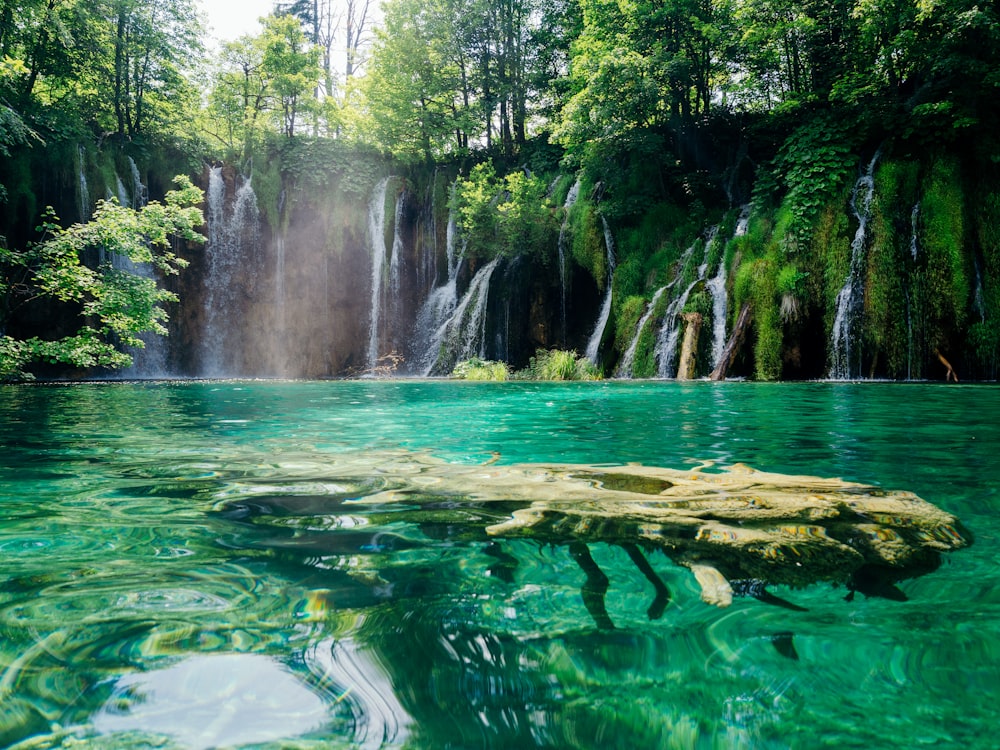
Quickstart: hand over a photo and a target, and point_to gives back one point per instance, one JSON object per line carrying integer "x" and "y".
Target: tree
{"x": 291, "y": 64}
{"x": 412, "y": 81}
{"x": 111, "y": 305}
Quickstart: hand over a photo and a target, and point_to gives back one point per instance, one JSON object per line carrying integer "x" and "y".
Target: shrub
{"x": 480, "y": 369}
{"x": 559, "y": 364}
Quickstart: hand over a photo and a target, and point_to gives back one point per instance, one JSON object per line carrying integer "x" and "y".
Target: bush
{"x": 480, "y": 369}
{"x": 559, "y": 364}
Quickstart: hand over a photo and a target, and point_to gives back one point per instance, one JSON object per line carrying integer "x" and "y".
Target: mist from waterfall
{"x": 850, "y": 298}
{"x": 233, "y": 239}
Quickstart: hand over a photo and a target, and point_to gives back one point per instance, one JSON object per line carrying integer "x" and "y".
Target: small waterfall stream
{"x": 152, "y": 360}
{"x": 850, "y": 297}
{"x": 717, "y": 289}
{"x": 83, "y": 191}
{"x": 627, "y": 363}
{"x": 594, "y": 344}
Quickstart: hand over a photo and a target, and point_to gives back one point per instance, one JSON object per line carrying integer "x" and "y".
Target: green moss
{"x": 942, "y": 240}
{"x": 588, "y": 248}
{"x": 629, "y": 312}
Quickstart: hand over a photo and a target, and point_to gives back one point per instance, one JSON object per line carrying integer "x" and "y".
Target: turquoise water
{"x": 184, "y": 565}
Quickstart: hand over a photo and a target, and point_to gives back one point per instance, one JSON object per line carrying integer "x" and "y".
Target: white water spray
{"x": 376, "y": 235}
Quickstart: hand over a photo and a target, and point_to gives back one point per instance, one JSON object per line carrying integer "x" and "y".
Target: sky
{"x": 229, "y": 19}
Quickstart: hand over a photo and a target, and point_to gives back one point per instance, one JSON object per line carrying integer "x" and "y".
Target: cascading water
{"x": 140, "y": 193}
{"x": 666, "y": 342}
{"x": 914, "y": 222}
{"x": 594, "y": 344}
{"x": 463, "y": 334}
{"x": 438, "y": 308}
{"x": 849, "y": 299}
{"x": 376, "y": 232}
{"x": 717, "y": 289}
{"x": 571, "y": 198}
{"x": 83, "y": 192}
{"x": 121, "y": 193}
{"x": 627, "y": 364}
{"x": 231, "y": 242}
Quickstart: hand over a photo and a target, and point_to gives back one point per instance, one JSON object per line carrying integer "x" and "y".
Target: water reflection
{"x": 211, "y": 701}
{"x": 181, "y": 565}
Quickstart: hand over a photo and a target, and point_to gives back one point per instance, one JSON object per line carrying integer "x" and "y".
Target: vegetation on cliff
{"x": 670, "y": 116}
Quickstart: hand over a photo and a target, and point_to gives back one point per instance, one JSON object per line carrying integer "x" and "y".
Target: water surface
{"x": 183, "y": 565}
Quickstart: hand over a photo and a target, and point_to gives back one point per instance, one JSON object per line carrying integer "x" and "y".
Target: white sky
{"x": 229, "y": 19}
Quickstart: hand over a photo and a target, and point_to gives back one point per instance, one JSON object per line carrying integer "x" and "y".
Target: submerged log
{"x": 733, "y": 345}
{"x": 686, "y": 368}
{"x": 728, "y": 527}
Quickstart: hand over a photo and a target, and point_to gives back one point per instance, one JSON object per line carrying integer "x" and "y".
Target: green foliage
{"x": 814, "y": 162}
{"x": 558, "y": 364}
{"x": 480, "y": 369}
{"x": 506, "y": 216}
{"x": 114, "y": 305}
{"x": 626, "y": 318}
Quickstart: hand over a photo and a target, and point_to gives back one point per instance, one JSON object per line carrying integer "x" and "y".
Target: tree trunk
{"x": 689, "y": 349}
{"x": 733, "y": 345}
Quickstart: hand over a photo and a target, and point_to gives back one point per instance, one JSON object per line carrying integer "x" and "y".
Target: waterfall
{"x": 121, "y": 193}
{"x": 914, "y": 218}
{"x": 666, "y": 343}
{"x": 717, "y": 289}
{"x": 594, "y": 344}
{"x": 140, "y": 193}
{"x": 376, "y": 232}
{"x": 83, "y": 192}
{"x": 397, "y": 247}
{"x": 463, "y": 334}
{"x": 151, "y": 361}
{"x": 231, "y": 242}
{"x": 978, "y": 298}
{"x": 431, "y": 325}
{"x": 571, "y": 198}
{"x": 628, "y": 359}
{"x": 849, "y": 299}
